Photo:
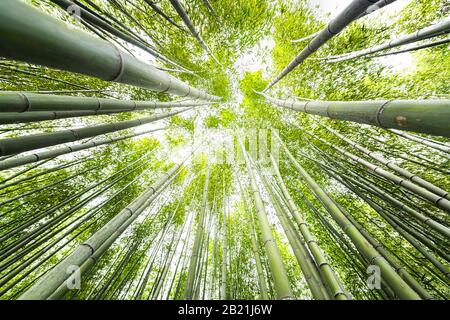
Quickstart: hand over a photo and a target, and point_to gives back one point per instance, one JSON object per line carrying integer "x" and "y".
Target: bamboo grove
{"x": 232, "y": 149}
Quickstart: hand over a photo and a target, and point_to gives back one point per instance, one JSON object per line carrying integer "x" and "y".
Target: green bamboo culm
{"x": 303, "y": 256}
{"x": 389, "y": 163}
{"x": 92, "y": 19}
{"x": 51, "y": 154}
{"x": 193, "y": 263}
{"x": 31, "y": 142}
{"x": 183, "y": 15}
{"x": 32, "y": 36}
{"x": 264, "y": 295}
{"x": 376, "y": 6}
{"x": 328, "y": 274}
{"x": 276, "y": 265}
{"x": 426, "y": 33}
{"x": 372, "y": 188}
{"x": 396, "y": 283}
{"x": 355, "y": 9}
{"x": 56, "y": 277}
{"x": 425, "y": 116}
{"x": 23, "y": 107}
{"x": 439, "y": 201}
{"x": 425, "y": 142}
{"x": 23, "y": 102}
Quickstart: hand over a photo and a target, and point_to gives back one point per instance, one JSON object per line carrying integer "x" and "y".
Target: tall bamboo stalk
{"x": 391, "y": 165}
{"x": 328, "y": 274}
{"x": 426, "y": 116}
{"x": 254, "y": 242}
{"x": 38, "y": 156}
{"x": 277, "y": 269}
{"x": 426, "y": 142}
{"x": 182, "y": 13}
{"x": 396, "y": 283}
{"x": 193, "y": 264}
{"x": 24, "y": 102}
{"x": 44, "y": 288}
{"x": 376, "y": 6}
{"x": 428, "y": 32}
{"x": 31, "y": 36}
{"x": 31, "y": 142}
{"x": 437, "y": 200}
{"x": 88, "y": 17}
{"x": 343, "y": 19}
{"x": 304, "y": 259}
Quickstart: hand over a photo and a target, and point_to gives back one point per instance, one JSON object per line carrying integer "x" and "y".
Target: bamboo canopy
{"x": 425, "y": 116}
{"x": 43, "y": 40}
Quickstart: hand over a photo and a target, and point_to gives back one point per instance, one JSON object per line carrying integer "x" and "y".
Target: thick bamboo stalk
{"x": 31, "y": 142}
{"x": 428, "y": 32}
{"x": 24, "y": 102}
{"x": 426, "y": 116}
{"x": 97, "y": 22}
{"x": 303, "y": 257}
{"x": 397, "y": 284}
{"x": 376, "y": 6}
{"x": 391, "y": 165}
{"x": 44, "y": 288}
{"x": 277, "y": 269}
{"x": 347, "y": 16}
{"x": 328, "y": 274}
{"x": 31, "y": 36}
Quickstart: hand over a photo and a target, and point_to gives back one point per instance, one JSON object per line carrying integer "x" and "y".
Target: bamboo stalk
{"x": 426, "y": 33}
{"x": 436, "y": 146}
{"x": 44, "y": 288}
{"x": 376, "y": 6}
{"x": 92, "y": 19}
{"x": 327, "y": 272}
{"x": 343, "y": 19}
{"x": 31, "y": 36}
{"x": 437, "y": 200}
{"x": 389, "y": 163}
{"x": 15, "y": 162}
{"x": 277, "y": 268}
{"x": 193, "y": 267}
{"x": 31, "y": 142}
{"x": 397, "y": 284}
{"x": 426, "y": 116}
{"x": 182, "y": 13}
